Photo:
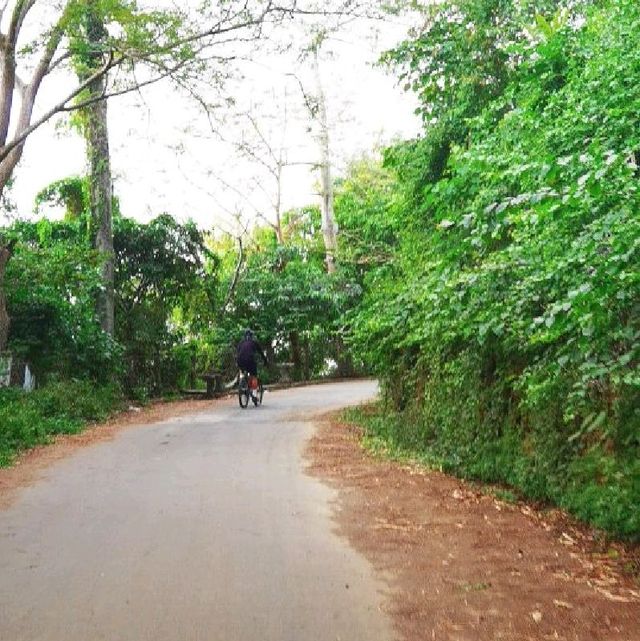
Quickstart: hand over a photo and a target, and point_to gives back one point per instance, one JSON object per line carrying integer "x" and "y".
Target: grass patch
{"x": 595, "y": 486}
{"x": 27, "y": 420}
{"x": 502, "y": 494}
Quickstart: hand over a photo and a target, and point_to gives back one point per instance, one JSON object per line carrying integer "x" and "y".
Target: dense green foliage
{"x": 165, "y": 282}
{"x": 507, "y": 331}
{"x": 59, "y": 408}
{"x": 50, "y": 282}
{"x": 162, "y": 269}
{"x": 284, "y": 294}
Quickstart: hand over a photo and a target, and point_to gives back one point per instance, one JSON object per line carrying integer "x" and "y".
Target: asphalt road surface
{"x": 198, "y": 528}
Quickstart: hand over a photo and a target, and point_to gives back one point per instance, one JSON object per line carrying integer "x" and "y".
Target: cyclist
{"x": 247, "y": 351}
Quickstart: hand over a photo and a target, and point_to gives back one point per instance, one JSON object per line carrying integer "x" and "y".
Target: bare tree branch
{"x": 235, "y": 22}
{"x": 22, "y": 136}
{"x": 236, "y": 275}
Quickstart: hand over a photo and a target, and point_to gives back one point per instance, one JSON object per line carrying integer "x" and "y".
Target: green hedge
{"x": 597, "y": 485}
{"x": 27, "y": 420}
{"x": 505, "y": 327}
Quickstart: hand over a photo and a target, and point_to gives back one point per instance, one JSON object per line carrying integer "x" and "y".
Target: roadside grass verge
{"x": 597, "y": 488}
{"x": 27, "y": 420}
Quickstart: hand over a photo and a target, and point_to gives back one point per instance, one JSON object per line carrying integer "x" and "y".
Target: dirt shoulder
{"x": 30, "y": 465}
{"x": 464, "y": 566}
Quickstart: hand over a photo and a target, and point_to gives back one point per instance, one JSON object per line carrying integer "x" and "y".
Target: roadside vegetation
{"x": 65, "y": 407}
{"x": 506, "y": 326}
{"x": 488, "y": 272}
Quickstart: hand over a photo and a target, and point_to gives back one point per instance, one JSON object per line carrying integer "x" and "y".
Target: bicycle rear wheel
{"x": 243, "y": 392}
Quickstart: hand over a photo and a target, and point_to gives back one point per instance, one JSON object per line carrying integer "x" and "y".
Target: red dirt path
{"x": 463, "y": 566}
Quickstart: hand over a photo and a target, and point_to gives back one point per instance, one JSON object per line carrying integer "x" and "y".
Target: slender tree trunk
{"x": 306, "y": 358}
{"x": 296, "y": 354}
{"x": 5, "y": 255}
{"x": 278, "y": 203}
{"x": 101, "y": 210}
{"x": 329, "y": 226}
{"x": 97, "y": 135}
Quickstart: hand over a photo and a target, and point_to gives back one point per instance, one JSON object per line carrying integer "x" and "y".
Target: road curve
{"x": 198, "y": 528}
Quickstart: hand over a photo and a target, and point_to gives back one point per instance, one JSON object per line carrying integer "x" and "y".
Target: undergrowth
{"x": 27, "y": 420}
{"x": 596, "y": 486}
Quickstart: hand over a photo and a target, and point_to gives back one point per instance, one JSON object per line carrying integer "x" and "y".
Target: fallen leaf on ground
{"x": 562, "y": 604}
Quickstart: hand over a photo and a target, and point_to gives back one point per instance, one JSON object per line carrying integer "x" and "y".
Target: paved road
{"x": 199, "y": 528}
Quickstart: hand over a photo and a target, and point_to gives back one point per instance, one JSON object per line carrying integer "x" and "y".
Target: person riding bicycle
{"x": 246, "y": 352}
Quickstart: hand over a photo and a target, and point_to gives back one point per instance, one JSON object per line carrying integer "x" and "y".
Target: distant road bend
{"x": 198, "y": 528}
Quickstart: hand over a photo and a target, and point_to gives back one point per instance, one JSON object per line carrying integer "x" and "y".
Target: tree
{"x": 163, "y": 268}
{"x": 263, "y": 143}
{"x": 145, "y": 45}
{"x": 316, "y": 103}
{"x": 369, "y": 210}
{"x": 51, "y": 283}
{"x": 96, "y": 132}
{"x": 329, "y": 226}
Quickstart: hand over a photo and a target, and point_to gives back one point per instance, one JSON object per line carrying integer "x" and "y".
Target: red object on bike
{"x": 253, "y": 382}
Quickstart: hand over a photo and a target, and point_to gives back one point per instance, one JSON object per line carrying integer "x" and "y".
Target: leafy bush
{"x": 27, "y": 420}
{"x": 50, "y": 282}
{"x": 601, "y": 488}
{"x": 507, "y": 332}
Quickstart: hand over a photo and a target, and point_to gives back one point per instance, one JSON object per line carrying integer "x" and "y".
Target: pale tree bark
{"x": 99, "y": 160}
{"x": 10, "y": 83}
{"x": 101, "y": 209}
{"x": 329, "y": 226}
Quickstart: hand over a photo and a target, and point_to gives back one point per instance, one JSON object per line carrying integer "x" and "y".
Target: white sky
{"x": 165, "y": 158}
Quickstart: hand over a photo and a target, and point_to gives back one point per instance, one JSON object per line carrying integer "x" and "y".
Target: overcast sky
{"x": 167, "y": 158}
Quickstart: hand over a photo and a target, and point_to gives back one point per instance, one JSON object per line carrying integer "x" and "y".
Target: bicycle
{"x": 249, "y": 388}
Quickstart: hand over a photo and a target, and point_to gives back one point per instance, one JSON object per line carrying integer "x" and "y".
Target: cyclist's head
{"x": 248, "y": 334}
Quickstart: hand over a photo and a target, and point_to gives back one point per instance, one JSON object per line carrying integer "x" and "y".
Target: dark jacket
{"x": 247, "y": 350}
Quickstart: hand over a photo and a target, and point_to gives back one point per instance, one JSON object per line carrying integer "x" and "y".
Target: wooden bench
{"x": 285, "y": 371}
{"x": 214, "y": 383}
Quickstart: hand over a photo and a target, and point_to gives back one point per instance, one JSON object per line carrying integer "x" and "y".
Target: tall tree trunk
{"x": 306, "y": 358}
{"x": 296, "y": 354}
{"x": 10, "y": 154}
{"x": 5, "y": 255}
{"x": 97, "y": 135}
{"x": 101, "y": 209}
{"x": 329, "y": 226}
{"x": 278, "y": 204}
